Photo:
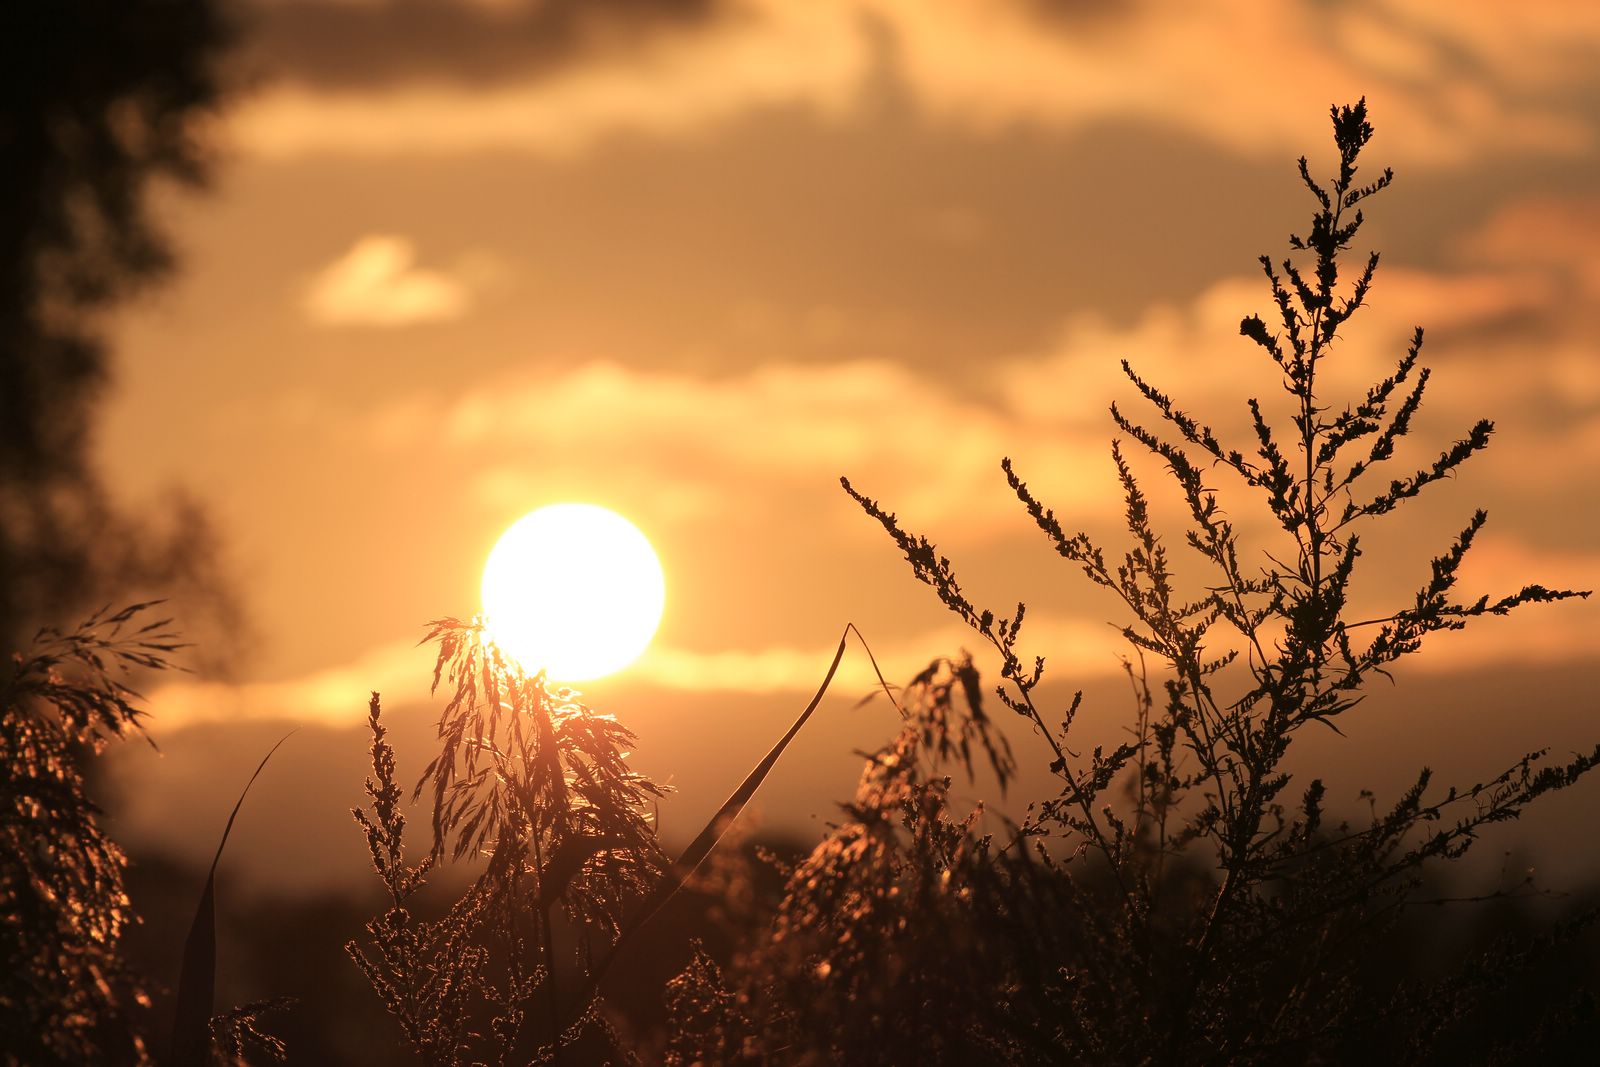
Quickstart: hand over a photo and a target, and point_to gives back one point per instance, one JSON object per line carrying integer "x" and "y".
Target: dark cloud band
{"x": 335, "y": 45}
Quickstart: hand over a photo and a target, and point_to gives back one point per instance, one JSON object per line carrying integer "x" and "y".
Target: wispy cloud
{"x": 775, "y": 54}
{"x": 1554, "y": 236}
{"x": 930, "y": 445}
{"x": 1078, "y": 651}
{"x": 401, "y": 671}
{"x": 1499, "y": 564}
{"x": 1450, "y": 84}
{"x": 1192, "y": 349}
{"x": 331, "y": 696}
{"x": 378, "y": 283}
{"x": 1000, "y": 64}
{"x": 689, "y": 452}
{"x": 775, "y": 431}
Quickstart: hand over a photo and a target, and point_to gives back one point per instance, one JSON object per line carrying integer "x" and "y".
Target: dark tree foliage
{"x": 98, "y": 101}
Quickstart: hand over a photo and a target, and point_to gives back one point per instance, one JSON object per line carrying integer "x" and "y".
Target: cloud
{"x": 773, "y": 54}
{"x": 339, "y": 44}
{"x": 377, "y": 283}
{"x": 1078, "y": 651}
{"x": 1498, "y": 566}
{"x": 780, "y": 435}
{"x": 334, "y": 696}
{"x": 1556, "y": 236}
{"x": 1075, "y": 649}
{"x": 1248, "y": 76}
{"x": 776, "y": 431}
{"x": 402, "y": 671}
{"x": 761, "y": 452}
{"x": 1193, "y": 352}
{"x": 1448, "y": 86}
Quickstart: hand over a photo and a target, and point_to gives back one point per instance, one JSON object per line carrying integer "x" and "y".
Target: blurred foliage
{"x": 100, "y": 100}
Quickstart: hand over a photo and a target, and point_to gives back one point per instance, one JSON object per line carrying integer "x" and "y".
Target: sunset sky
{"x": 693, "y": 260}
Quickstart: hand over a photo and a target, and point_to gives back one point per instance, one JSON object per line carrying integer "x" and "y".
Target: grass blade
{"x": 707, "y": 839}
{"x": 191, "y": 1029}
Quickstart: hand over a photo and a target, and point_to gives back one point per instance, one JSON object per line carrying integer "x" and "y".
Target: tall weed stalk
{"x": 537, "y": 784}
{"x": 1180, "y": 896}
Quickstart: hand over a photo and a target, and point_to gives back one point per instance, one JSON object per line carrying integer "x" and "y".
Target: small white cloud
{"x": 377, "y": 283}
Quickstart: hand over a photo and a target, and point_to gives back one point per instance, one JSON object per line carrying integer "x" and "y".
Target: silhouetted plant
{"x": 65, "y": 994}
{"x": 1209, "y": 917}
{"x": 904, "y": 921}
{"x": 426, "y": 973}
{"x": 709, "y": 1024}
{"x": 234, "y": 1033}
{"x": 539, "y": 784}
{"x": 1165, "y": 903}
{"x": 199, "y": 1034}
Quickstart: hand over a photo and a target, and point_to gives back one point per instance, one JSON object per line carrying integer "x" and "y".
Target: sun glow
{"x": 574, "y": 590}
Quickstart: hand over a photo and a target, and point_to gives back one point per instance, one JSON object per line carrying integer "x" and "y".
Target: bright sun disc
{"x": 573, "y": 590}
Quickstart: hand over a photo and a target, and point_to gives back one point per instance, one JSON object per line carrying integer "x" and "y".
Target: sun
{"x": 574, "y": 590}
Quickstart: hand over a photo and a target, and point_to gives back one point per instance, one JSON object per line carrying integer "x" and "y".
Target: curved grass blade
{"x": 191, "y": 1029}
{"x": 701, "y": 846}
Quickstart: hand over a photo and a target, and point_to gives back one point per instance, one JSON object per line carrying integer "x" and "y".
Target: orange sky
{"x": 695, "y": 259}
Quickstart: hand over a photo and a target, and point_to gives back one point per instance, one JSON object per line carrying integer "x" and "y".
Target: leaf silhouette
{"x": 197, "y": 982}
{"x": 718, "y": 825}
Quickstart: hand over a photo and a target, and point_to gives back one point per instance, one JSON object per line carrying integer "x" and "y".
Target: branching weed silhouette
{"x": 1216, "y": 914}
